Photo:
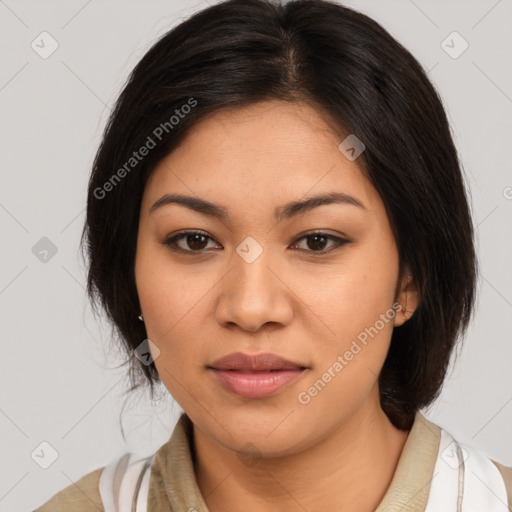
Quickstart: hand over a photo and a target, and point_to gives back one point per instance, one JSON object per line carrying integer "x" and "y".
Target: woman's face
{"x": 255, "y": 283}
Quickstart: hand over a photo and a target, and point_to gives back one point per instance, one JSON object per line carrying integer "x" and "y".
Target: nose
{"x": 255, "y": 293}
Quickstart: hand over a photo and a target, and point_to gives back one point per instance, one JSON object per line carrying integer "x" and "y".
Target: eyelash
{"x": 171, "y": 241}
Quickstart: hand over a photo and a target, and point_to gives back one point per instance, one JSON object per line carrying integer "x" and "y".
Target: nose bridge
{"x": 252, "y": 261}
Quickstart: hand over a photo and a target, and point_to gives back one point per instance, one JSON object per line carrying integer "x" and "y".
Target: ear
{"x": 408, "y": 297}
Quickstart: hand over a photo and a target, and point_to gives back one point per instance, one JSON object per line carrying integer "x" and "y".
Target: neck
{"x": 350, "y": 470}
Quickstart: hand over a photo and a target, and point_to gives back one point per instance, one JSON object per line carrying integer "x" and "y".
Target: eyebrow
{"x": 281, "y": 213}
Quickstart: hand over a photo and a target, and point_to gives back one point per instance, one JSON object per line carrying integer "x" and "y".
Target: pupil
{"x": 192, "y": 241}
{"x": 317, "y": 241}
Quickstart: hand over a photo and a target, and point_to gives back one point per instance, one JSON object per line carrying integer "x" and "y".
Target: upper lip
{"x": 257, "y": 362}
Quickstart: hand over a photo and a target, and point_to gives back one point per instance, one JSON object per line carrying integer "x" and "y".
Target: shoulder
{"x": 119, "y": 484}
{"x": 80, "y": 496}
{"x": 454, "y": 469}
{"x": 506, "y": 474}
{"x": 477, "y": 479}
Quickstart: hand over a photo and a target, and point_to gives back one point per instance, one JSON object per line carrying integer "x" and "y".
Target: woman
{"x": 278, "y": 227}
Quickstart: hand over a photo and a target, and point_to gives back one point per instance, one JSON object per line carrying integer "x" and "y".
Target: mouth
{"x": 256, "y": 384}
{"x": 255, "y": 376}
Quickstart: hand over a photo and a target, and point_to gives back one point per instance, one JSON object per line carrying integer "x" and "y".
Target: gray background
{"x": 58, "y": 377}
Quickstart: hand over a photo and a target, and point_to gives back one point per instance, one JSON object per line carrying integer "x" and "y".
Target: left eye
{"x": 318, "y": 241}
{"x": 197, "y": 241}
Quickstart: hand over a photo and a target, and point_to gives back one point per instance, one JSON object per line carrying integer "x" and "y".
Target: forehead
{"x": 266, "y": 153}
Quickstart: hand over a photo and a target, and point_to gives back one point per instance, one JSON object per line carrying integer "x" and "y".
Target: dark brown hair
{"x": 343, "y": 63}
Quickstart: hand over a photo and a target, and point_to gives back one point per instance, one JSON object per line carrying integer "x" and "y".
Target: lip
{"x": 256, "y": 384}
{"x": 255, "y": 376}
{"x": 257, "y": 362}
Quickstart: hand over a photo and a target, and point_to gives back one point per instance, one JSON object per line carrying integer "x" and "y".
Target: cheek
{"x": 358, "y": 309}
{"x": 170, "y": 297}
{"x": 355, "y": 295}
{"x": 167, "y": 292}
{"x": 348, "y": 364}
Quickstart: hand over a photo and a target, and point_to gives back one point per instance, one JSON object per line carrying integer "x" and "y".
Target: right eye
{"x": 196, "y": 240}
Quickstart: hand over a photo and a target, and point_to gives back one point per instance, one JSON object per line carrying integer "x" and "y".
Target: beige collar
{"x": 173, "y": 483}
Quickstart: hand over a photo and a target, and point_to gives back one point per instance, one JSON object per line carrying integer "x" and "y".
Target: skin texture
{"x": 301, "y": 301}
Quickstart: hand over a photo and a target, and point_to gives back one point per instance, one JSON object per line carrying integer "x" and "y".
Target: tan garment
{"x": 173, "y": 486}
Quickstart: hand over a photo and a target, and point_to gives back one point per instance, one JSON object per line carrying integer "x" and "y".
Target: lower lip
{"x": 256, "y": 384}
